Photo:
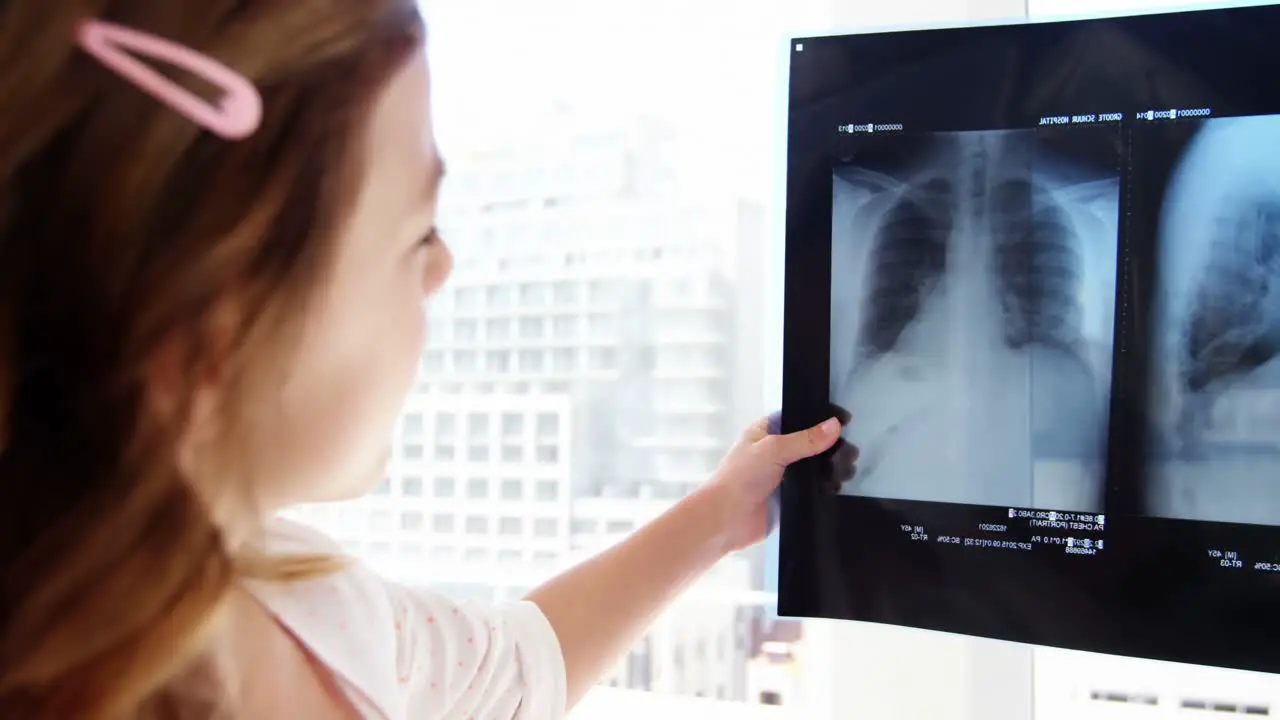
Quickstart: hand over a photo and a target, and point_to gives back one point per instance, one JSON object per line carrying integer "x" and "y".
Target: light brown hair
{"x": 124, "y": 231}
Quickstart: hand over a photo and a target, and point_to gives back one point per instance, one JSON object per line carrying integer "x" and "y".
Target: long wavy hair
{"x": 125, "y": 234}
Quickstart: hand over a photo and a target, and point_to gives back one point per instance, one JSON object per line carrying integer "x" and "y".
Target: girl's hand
{"x": 844, "y": 459}
{"x": 752, "y": 470}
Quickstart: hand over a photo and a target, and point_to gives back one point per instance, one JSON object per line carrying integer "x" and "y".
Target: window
{"x": 498, "y": 361}
{"x": 411, "y": 486}
{"x": 548, "y": 424}
{"x": 530, "y": 328}
{"x": 442, "y": 523}
{"x": 530, "y": 360}
{"x": 548, "y": 490}
{"x": 433, "y": 362}
{"x": 446, "y": 426}
{"x": 498, "y": 296}
{"x": 533, "y": 294}
{"x": 466, "y": 361}
{"x": 548, "y": 454}
{"x": 411, "y": 521}
{"x": 443, "y": 487}
{"x": 498, "y": 329}
{"x": 468, "y": 298}
{"x": 478, "y": 453}
{"x": 413, "y": 425}
{"x": 602, "y": 358}
{"x": 477, "y": 424}
{"x": 465, "y": 329}
{"x": 512, "y": 489}
{"x": 566, "y": 292}
{"x": 413, "y": 451}
{"x": 384, "y": 487}
{"x": 551, "y": 311}
{"x": 564, "y": 327}
{"x": 563, "y": 359}
{"x": 512, "y": 424}
{"x": 600, "y": 325}
{"x": 601, "y": 291}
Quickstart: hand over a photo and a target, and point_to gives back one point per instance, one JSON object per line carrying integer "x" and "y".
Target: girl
{"x": 216, "y": 239}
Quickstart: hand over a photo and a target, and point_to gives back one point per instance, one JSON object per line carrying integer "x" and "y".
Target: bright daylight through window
{"x": 614, "y": 320}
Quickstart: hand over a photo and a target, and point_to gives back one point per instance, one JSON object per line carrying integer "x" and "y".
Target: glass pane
{"x": 610, "y": 316}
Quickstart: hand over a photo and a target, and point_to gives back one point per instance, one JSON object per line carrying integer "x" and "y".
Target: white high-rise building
{"x": 583, "y": 372}
{"x": 582, "y": 272}
{"x": 475, "y": 486}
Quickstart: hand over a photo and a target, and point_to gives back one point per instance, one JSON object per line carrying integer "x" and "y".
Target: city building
{"x": 586, "y": 368}
{"x": 581, "y": 270}
{"x": 700, "y": 646}
{"x": 474, "y": 486}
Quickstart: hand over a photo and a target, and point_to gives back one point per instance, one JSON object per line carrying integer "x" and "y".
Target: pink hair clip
{"x": 235, "y": 116}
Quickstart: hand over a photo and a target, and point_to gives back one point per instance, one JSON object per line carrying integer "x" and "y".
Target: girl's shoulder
{"x": 410, "y": 651}
{"x": 345, "y": 619}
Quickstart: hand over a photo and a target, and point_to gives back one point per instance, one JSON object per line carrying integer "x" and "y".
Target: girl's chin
{"x": 360, "y": 485}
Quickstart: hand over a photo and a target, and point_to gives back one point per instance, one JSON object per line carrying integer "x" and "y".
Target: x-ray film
{"x": 1038, "y": 265}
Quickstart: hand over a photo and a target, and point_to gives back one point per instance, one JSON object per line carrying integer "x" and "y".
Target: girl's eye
{"x": 432, "y": 237}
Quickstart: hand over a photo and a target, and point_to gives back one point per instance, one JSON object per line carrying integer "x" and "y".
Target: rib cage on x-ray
{"x": 1033, "y": 245}
{"x": 1217, "y": 455}
{"x": 974, "y": 261}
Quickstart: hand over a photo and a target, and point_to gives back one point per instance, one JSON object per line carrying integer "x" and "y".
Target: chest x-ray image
{"x": 1215, "y": 395}
{"x": 972, "y": 311}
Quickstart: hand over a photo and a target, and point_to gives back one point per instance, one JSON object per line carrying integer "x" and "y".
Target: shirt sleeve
{"x": 468, "y": 662}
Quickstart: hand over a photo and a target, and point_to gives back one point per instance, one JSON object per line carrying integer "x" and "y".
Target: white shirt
{"x": 409, "y": 654}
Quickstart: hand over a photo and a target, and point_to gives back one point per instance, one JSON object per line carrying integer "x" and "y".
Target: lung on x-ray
{"x": 972, "y": 276}
{"x": 1215, "y": 443}
{"x": 1038, "y": 266}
